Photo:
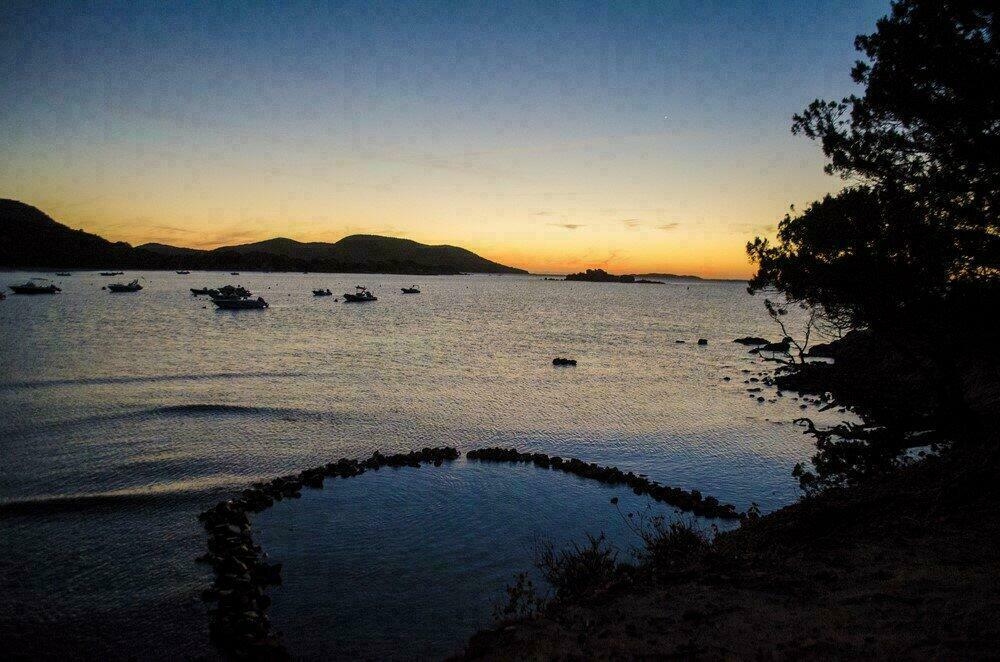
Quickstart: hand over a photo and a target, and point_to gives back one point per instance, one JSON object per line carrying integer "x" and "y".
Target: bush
{"x": 670, "y": 546}
{"x": 579, "y": 570}
{"x": 522, "y": 600}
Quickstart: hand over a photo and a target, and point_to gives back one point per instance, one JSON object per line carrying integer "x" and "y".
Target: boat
{"x": 230, "y": 292}
{"x": 34, "y": 287}
{"x": 322, "y": 293}
{"x": 183, "y": 273}
{"x": 410, "y": 290}
{"x": 360, "y": 296}
{"x": 112, "y": 273}
{"x": 231, "y": 297}
{"x": 134, "y": 286}
{"x": 239, "y": 303}
{"x": 234, "y": 273}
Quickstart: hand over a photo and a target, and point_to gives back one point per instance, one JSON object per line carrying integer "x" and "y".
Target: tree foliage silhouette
{"x": 914, "y": 237}
{"x": 910, "y": 248}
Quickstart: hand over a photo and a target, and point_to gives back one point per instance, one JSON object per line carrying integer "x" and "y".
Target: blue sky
{"x": 638, "y": 135}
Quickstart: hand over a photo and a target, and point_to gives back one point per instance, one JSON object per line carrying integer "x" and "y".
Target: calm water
{"x": 123, "y": 415}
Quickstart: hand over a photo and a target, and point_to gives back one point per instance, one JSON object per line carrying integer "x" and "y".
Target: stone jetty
{"x": 691, "y": 501}
{"x": 239, "y": 625}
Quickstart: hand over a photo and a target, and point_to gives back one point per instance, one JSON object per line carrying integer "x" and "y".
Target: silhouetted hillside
{"x": 30, "y": 239}
{"x": 360, "y": 249}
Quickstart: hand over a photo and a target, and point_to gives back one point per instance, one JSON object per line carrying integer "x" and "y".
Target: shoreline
{"x": 900, "y": 564}
{"x": 901, "y": 567}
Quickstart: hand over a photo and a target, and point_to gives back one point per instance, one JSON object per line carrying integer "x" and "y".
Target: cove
{"x": 406, "y": 562}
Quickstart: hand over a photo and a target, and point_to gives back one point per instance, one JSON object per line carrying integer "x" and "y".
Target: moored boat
{"x": 133, "y": 286}
{"x": 230, "y": 292}
{"x": 239, "y": 303}
{"x": 183, "y": 273}
{"x": 112, "y": 273}
{"x": 410, "y": 290}
{"x": 361, "y": 296}
{"x": 35, "y": 286}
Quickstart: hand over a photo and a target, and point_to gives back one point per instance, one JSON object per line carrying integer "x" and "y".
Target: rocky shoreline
{"x": 690, "y": 501}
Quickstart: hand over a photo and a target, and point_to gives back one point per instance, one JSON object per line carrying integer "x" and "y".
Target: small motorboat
{"x": 322, "y": 293}
{"x": 234, "y": 273}
{"x": 230, "y": 292}
{"x": 362, "y": 295}
{"x": 239, "y": 303}
{"x": 183, "y": 273}
{"x": 112, "y": 273}
{"x": 34, "y": 286}
{"x": 134, "y": 286}
{"x": 410, "y": 290}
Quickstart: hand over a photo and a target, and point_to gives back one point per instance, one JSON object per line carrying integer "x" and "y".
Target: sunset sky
{"x": 549, "y": 136}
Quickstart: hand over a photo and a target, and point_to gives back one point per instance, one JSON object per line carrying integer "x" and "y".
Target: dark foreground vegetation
{"x": 30, "y": 239}
{"x": 900, "y": 568}
{"x": 891, "y": 552}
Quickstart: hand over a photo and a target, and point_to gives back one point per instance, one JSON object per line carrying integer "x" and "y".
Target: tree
{"x": 928, "y": 122}
{"x": 915, "y": 235}
{"x": 910, "y": 248}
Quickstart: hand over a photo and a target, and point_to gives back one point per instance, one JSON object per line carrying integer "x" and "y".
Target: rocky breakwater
{"x": 239, "y": 625}
{"x": 690, "y": 501}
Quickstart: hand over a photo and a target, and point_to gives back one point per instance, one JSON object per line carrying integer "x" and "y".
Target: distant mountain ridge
{"x": 30, "y": 239}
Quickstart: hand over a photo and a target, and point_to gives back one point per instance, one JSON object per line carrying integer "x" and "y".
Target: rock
{"x": 702, "y": 341}
{"x": 751, "y": 340}
{"x": 562, "y": 361}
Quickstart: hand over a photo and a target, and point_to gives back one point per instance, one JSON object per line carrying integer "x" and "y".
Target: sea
{"x": 122, "y": 416}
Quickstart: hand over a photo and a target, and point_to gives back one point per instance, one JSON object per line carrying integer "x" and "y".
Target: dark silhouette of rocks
{"x": 692, "y": 501}
{"x": 561, "y": 361}
{"x": 602, "y": 276}
{"x": 238, "y": 624}
{"x": 752, "y": 340}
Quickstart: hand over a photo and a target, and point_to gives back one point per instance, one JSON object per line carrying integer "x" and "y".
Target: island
{"x": 602, "y": 276}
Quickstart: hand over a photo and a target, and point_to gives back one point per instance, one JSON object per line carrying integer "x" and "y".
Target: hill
{"x": 30, "y": 239}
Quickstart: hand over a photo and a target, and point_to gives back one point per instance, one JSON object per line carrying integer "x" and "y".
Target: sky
{"x": 552, "y": 136}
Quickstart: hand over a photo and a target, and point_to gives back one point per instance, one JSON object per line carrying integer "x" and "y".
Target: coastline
{"x": 901, "y": 564}
{"x": 897, "y": 568}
